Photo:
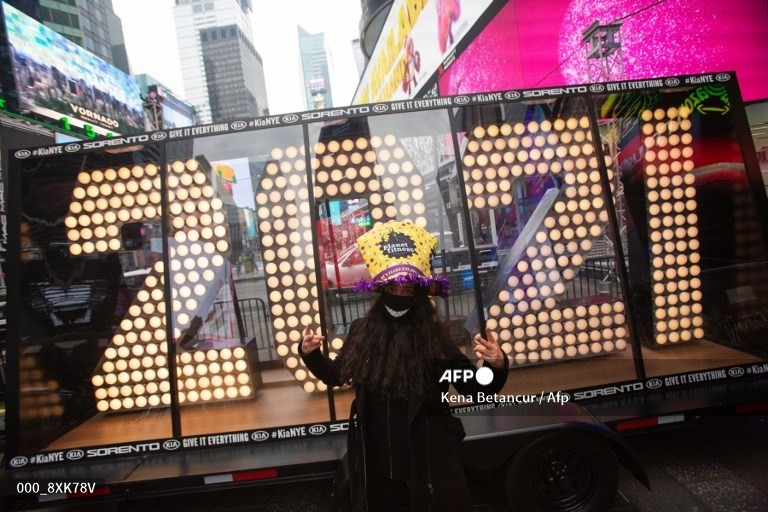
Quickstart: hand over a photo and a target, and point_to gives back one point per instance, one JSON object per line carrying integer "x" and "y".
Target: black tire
{"x": 563, "y": 472}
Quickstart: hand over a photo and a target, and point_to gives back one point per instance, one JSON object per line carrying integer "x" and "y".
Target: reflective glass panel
{"x": 691, "y": 213}
{"x": 243, "y": 280}
{"x": 371, "y": 170}
{"x": 93, "y": 365}
{"x": 544, "y": 245}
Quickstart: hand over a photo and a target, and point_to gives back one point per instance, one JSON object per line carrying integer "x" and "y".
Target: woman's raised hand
{"x": 488, "y": 349}
{"x": 311, "y": 341}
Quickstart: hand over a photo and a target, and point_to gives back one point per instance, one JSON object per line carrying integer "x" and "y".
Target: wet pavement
{"x": 714, "y": 465}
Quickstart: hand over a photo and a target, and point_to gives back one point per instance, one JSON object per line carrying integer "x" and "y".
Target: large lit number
{"x": 132, "y": 373}
{"x": 285, "y": 228}
{"x": 377, "y": 169}
{"x": 40, "y": 398}
{"x": 672, "y": 220}
{"x": 531, "y": 328}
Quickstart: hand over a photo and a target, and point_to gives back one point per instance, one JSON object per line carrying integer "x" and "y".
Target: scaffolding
{"x": 605, "y": 63}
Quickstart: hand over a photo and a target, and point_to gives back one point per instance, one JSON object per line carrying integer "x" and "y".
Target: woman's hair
{"x": 399, "y": 357}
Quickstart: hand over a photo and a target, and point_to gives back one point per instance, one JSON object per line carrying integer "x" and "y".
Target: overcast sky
{"x": 150, "y": 38}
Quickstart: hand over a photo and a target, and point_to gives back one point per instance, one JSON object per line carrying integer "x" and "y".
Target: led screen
{"x": 526, "y": 45}
{"x": 56, "y": 78}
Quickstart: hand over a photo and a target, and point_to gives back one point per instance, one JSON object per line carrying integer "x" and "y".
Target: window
{"x": 74, "y": 20}
{"x": 197, "y": 8}
{"x": 60, "y": 17}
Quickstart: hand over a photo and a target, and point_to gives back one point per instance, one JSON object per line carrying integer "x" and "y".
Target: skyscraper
{"x": 222, "y": 71}
{"x": 360, "y": 60}
{"x": 314, "y": 66}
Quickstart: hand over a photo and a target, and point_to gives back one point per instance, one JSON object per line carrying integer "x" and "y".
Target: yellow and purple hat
{"x": 400, "y": 252}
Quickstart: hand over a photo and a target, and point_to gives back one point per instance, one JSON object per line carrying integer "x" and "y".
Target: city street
{"x": 713, "y": 465}
{"x": 241, "y": 238}
{"x": 250, "y": 286}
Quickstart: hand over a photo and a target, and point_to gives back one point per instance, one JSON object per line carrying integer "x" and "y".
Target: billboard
{"x": 530, "y": 44}
{"x": 177, "y": 113}
{"x": 317, "y": 85}
{"x": 416, "y": 39}
{"x": 57, "y": 79}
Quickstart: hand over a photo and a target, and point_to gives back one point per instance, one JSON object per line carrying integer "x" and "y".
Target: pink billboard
{"x": 534, "y": 44}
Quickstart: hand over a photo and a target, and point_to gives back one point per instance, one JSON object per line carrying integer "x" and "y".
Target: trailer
{"x": 550, "y": 457}
{"x": 613, "y": 235}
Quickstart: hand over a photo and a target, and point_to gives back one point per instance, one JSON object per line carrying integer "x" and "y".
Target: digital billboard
{"x": 57, "y": 79}
{"x": 317, "y": 85}
{"x": 416, "y": 40}
{"x": 177, "y": 113}
{"x": 530, "y": 44}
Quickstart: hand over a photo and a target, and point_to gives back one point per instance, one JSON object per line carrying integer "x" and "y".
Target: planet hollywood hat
{"x": 400, "y": 252}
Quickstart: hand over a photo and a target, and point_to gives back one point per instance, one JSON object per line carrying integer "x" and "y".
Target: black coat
{"x": 436, "y": 481}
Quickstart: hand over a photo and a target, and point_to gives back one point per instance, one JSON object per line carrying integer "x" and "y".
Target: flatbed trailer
{"x": 661, "y": 331}
{"x": 501, "y": 449}
{"x": 506, "y": 441}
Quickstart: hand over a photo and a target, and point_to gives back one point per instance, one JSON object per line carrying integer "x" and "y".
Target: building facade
{"x": 357, "y": 52}
{"x": 222, "y": 71}
{"x": 91, "y": 24}
{"x": 314, "y": 69}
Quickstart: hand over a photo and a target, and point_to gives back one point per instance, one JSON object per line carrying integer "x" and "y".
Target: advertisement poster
{"x": 414, "y": 42}
{"x": 235, "y": 177}
{"x": 58, "y": 79}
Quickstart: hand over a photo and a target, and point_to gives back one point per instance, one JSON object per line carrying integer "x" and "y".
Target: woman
{"x": 405, "y": 452}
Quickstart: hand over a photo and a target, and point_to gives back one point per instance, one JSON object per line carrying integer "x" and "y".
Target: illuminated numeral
{"x": 550, "y": 250}
{"x": 133, "y": 372}
{"x": 377, "y": 169}
{"x": 672, "y": 225}
{"x": 286, "y": 248}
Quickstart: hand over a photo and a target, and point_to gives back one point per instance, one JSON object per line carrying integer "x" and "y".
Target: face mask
{"x": 398, "y": 306}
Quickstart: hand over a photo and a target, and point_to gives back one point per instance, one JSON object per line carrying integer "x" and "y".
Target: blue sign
{"x": 335, "y": 207}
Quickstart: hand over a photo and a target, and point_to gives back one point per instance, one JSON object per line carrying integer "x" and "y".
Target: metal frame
{"x": 162, "y": 137}
{"x": 469, "y": 232}
{"x": 167, "y": 292}
{"x": 618, "y": 246}
{"x": 316, "y": 255}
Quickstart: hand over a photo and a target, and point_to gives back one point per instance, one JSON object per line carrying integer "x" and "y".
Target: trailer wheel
{"x": 562, "y": 472}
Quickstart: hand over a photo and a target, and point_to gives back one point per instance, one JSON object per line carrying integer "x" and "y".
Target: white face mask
{"x": 394, "y": 313}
